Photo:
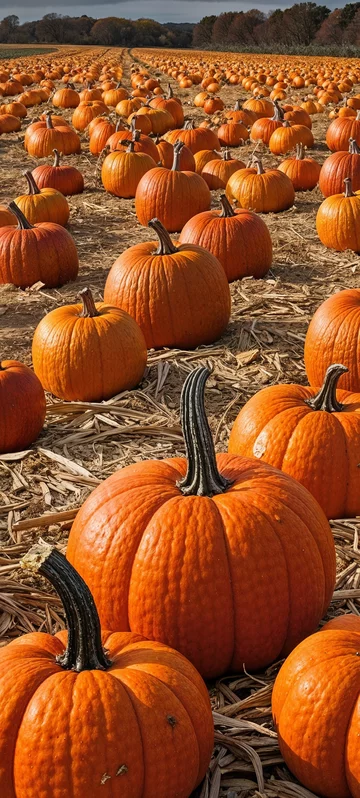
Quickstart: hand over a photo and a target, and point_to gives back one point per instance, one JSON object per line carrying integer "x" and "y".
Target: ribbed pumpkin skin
{"x": 333, "y": 337}
{"x": 119, "y": 141}
{"x": 334, "y": 171}
{"x": 171, "y": 196}
{"x": 172, "y": 106}
{"x": 203, "y": 157}
{"x": 122, "y": 171}
{"x": 87, "y": 111}
{"x": 6, "y": 217}
{"x": 199, "y": 138}
{"x": 153, "y": 288}
{"x": 316, "y": 709}
{"x": 66, "y": 179}
{"x": 22, "y": 406}
{"x": 100, "y": 136}
{"x": 216, "y": 173}
{"x": 166, "y": 156}
{"x": 46, "y": 252}
{"x": 42, "y": 141}
{"x": 45, "y": 743}
{"x": 340, "y": 131}
{"x": 284, "y": 139}
{"x": 303, "y": 173}
{"x": 320, "y": 449}
{"x": 338, "y": 222}
{"x": 88, "y": 359}
{"x": 241, "y": 243}
{"x": 269, "y": 192}
{"x": 232, "y": 134}
{"x": 48, "y": 206}
{"x": 263, "y": 129}
{"x": 265, "y": 523}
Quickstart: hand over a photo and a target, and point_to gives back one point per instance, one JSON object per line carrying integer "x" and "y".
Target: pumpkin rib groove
{"x": 231, "y": 581}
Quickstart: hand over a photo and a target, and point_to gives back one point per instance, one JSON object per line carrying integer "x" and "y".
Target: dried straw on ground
{"x": 82, "y": 443}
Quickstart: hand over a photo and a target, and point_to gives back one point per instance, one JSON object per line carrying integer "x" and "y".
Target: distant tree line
{"x": 305, "y": 27}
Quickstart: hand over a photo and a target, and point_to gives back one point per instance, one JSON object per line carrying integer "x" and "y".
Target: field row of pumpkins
{"x": 182, "y": 569}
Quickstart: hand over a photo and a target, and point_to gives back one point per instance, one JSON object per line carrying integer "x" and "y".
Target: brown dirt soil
{"x": 82, "y": 444}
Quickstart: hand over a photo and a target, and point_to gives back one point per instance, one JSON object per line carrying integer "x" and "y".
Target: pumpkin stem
{"x": 49, "y": 123}
{"x": 89, "y": 310}
{"x": 33, "y": 188}
{"x": 202, "y": 477}
{"x": 300, "y": 152}
{"x": 166, "y": 245}
{"x": 118, "y": 125}
{"x": 278, "y": 112}
{"x": 56, "y": 158}
{"x": 358, "y": 116}
{"x": 286, "y": 123}
{"x": 189, "y": 124}
{"x": 177, "y": 152}
{"x": 348, "y": 188}
{"x": 227, "y": 209}
{"x": 170, "y": 92}
{"x": 226, "y": 154}
{"x": 353, "y": 147}
{"x": 23, "y": 223}
{"x": 131, "y": 146}
{"x": 258, "y": 163}
{"x": 84, "y": 650}
{"x": 237, "y": 106}
{"x": 326, "y": 399}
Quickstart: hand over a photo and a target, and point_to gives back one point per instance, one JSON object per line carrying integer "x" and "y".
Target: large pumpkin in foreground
{"x": 97, "y": 715}
{"x": 316, "y": 709}
{"x": 333, "y": 336}
{"x": 227, "y": 559}
{"x": 22, "y": 406}
{"x": 313, "y": 434}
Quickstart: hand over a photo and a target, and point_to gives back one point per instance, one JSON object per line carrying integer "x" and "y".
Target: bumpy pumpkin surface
{"x": 333, "y": 337}
{"x": 310, "y": 433}
{"x": 134, "y": 722}
{"x": 225, "y": 558}
{"x": 316, "y": 709}
{"x": 22, "y": 406}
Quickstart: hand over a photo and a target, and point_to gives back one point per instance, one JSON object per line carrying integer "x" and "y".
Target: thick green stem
{"x": 326, "y": 399}
{"x": 203, "y": 477}
{"x": 84, "y": 650}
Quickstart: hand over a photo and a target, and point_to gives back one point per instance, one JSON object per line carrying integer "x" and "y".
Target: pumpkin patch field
{"x": 180, "y": 418}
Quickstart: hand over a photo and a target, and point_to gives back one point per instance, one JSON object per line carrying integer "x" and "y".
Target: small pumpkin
{"x": 285, "y": 138}
{"x": 122, "y": 171}
{"x": 224, "y": 518}
{"x": 338, "y": 220}
{"x": 315, "y": 705}
{"x": 341, "y": 130}
{"x": 216, "y": 173}
{"x": 237, "y": 114}
{"x": 333, "y": 337}
{"x": 88, "y": 352}
{"x": 43, "y": 205}
{"x": 86, "y": 111}
{"x": 7, "y": 217}
{"x": 100, "y": 136}
{"x": 66, "y": 98}
{"x": 9, "y": 123}
{"x": 269, "y": 191}
{"x": 232, "y": 134}
{"x": 263, "y": 128}
{"x": 142, "y": 143}
{"x": 66, "y": 179}
{"x": 313, "y": 434}
{"x": 337, "y": 167}
{"x": 43, "y": 137}
{"x": 152, "y": 697}
{"x": 166, "y": 156}
{"x": 30, "y": 254}
{"x": 170, "y": 104}
{"x": 239, "y": 239}
{"x": 203, "y": 157}
{"x": 22, "y": 406}
{"x": 303, "y": 172}
{"x": 196, "y": 138}
{"x": 15, "y": 109}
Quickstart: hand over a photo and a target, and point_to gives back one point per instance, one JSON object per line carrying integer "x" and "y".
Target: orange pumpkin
{"x": 338, "y": 220}
{"x": 122, "y": 171}
{"x": 66, "y": 179}
{"x": 333, "y": 337}
{"x": 22, "y": 406}
{"x": 303, "y": 172}
{"x": 216, "y": 173}
{"x": 337, "y": 167}
{"x": 262, "y": 191}
{"x": 43, "y": 205}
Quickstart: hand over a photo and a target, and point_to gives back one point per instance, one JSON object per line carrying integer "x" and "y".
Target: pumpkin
{"x": 30, "y": 254}
{"x": 337, "y": 167}
{"x": 43, "y": 205}
{"x": 213, "y": 105}
{"x": 341, "y": 130}
{"x": 264, "y": 127}
{"x": 221, "y": 531}
{"x": 315, "y": 704}
{"x": 260, "y": 107}
{"x": 103, "y": 351}
{"x": 141, "y": 122}
{"x": 14, "y": 108}
{"x": 239, "y": 239}
{"x": 140, "y": 697}
{"x": 22, "y": 406}
{"x": 196, "y": 138}
{"x": 42, "y": 138}
{"x": 161, "y": 119}
{"x": 333, "y": 337}
{"x": 9, "y": 123}
{"x": 286, "y": 137}
{"x": 239, "y": 115}
{"x": 313, "y": 434}
{"x": 303, "y": 172}
{"x": 86, "y": 111}
{"x": 113, "y": 97}
{"x": 262, "y": 191}
{"x": 6, "y": 217}
{"x": 171, "y": 195}
{"x": 100, "y": 136}
{"x": 216, "y": 173}
{"x": 126, "y": 107}
{"x": 66, "y": 98}
{"x": 338, "y": 220}
{"x": 166, "y": 156}
{"x": 122, "y": 171}
{"x": 174, "y": 277}
{"x": 170, "y": 104}
{"x": 298, "y": 116}
{"x": 232, "y": 134}
{"x": 66, "y": 179}
{"x": 142, "y": 143}
{"x": 203, "y": 157}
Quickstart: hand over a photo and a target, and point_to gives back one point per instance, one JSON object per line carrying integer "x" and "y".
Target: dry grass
{"x": 84, "y": 443}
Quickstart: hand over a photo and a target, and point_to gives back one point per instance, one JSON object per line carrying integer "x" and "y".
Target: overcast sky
{"x": 162, "y": 10}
